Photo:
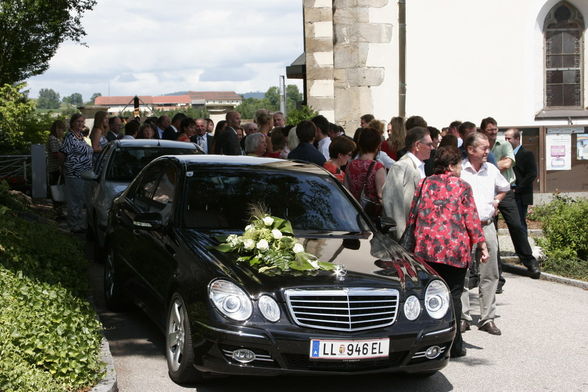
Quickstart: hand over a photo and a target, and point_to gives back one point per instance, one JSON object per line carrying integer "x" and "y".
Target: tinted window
{"x": 221, "y": 200}
{"x": 128, "y": 162}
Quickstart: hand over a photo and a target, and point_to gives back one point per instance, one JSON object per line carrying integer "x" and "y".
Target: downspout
{"x": 401, "y": 58}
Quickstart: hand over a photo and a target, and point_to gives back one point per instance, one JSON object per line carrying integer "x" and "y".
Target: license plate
{"x": 349, "y": 349}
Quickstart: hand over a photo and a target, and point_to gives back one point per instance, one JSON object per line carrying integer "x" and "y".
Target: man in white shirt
{"x": 404, "y": 177}
{"x": 489, "y": 187}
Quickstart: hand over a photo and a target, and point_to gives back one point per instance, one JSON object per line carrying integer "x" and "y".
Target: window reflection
{"x": 221, "y": 200}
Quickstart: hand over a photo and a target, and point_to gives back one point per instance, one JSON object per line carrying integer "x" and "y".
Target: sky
{"x": 149, "y": 47}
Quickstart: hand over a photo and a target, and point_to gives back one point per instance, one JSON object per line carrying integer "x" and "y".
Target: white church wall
{"x": 469, "y": 59}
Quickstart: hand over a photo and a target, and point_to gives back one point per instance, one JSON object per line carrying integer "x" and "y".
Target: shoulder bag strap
{"x": 367, "y": 176}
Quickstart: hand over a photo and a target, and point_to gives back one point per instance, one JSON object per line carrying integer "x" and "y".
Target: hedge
{"x": 565, "y": 242}
{"x": 49, "y": 334}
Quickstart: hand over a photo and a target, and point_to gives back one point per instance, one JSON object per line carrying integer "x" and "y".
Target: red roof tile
{"x": 214, "y": 95}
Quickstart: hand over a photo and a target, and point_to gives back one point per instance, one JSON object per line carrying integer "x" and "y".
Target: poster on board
{"x": 582, "y": 147}
{"x": 558, "y": 151}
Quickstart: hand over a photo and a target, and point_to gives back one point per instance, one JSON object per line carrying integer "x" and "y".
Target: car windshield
{"x": 222, "y": 199}
{"x": 128, "y": 162}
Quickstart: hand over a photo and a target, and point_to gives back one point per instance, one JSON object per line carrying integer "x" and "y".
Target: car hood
{"x": 369, "y": 260}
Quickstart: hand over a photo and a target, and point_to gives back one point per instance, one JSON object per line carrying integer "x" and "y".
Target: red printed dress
{"x": 357, "y": 177}
{"x": 447, "y": 223}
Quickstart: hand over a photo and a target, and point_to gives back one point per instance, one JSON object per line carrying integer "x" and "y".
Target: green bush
{"x": 565, "y": 227}
{"x": 49, "y": 334}
{"x": 304, "y": 113}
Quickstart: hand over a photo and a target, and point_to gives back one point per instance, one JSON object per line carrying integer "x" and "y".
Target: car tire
{"x": 179, "y": 352}
{"x": 113, "y": 290}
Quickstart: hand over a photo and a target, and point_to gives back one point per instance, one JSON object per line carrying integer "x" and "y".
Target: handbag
{"x": 408, "y": 240}
{"x": 373, "y": 209}
{"x": 58, "y": 191}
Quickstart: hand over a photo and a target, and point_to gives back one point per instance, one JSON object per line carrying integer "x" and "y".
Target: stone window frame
{"x": 575, "y": 24}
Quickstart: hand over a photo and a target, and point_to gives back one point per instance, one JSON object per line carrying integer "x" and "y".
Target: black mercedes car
{"x": 381, "y": 311}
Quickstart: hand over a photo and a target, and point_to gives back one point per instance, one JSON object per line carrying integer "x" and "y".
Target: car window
{"x": 221, "y": 200}
{"x": 143, "y": 193}
{"x": 163, "y": 196}
{"x": 128, "y": 162}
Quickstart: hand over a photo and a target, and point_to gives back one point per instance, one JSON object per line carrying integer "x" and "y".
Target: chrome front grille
{"x": 348, "y": 309}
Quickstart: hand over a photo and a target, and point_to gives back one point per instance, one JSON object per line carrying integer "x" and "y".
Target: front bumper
{"x": 286, "y": 350}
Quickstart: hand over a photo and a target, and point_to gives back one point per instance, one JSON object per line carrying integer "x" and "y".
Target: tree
{"x": 273, "y": 97}
{"x": 74, "y": 99}
{"x": 20, "y": 124}
{"x": 248, "y": 106}
{"x": 32, "y": 32}
{"x": 303, "y": 113}
{"x": 48, "y": 99}
{"x": 293, "y": 98}
{"x": 94, "y": 96}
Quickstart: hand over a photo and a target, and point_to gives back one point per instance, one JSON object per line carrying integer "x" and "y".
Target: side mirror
{"x": 89, "y": 175}
{"x": 148, "y": 221}
{"x": 387, "y": 224}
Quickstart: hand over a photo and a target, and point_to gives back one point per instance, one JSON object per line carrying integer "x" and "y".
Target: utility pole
{"x": 282, "y": 88}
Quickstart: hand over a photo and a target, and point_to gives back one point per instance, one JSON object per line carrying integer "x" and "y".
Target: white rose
{"x": 277, "y": 234}
{"x": 248, "y": 227}
{"x": 233, "y": 239}
{"x": 263, "y": 245}
{"x": 268, "y": 221}
{"x": 249, "y": 243}
{"x": 297, "y": 248}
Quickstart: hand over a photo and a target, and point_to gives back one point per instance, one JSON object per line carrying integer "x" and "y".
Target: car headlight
{"x": 437, "y": 299}
{"x": 412, "y": 308}
{"x": 230, "y": 300}
{"x": 269, "y": 308}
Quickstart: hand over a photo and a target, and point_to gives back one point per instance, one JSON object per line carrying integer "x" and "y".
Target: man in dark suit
{"x": 202, "y": 138}
{"x": 306, "y": 131}
{"x": 172, "y": 132}
{"x": 227, "y": 141}
{"x": 114, "y": 124}
{"x": 163, "y": 122}
{"x": 525, "y": 172}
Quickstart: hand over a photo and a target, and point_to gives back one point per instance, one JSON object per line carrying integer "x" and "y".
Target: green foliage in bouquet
{"x": 268, "y": 244}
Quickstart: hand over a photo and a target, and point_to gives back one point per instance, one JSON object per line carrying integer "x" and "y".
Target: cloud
{"x": 142, "y": 47}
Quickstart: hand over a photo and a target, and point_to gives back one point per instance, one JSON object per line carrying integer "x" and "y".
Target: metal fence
{"x": 15, "y": 167}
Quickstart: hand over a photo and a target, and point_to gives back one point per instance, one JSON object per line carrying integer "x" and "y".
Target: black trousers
{"x": 455, "y": 279}
{"x": 510, "y": 212}
{"x": 522, "y": 213}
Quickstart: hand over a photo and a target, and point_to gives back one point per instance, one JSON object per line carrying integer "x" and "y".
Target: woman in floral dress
{"x": 446, "y": 228}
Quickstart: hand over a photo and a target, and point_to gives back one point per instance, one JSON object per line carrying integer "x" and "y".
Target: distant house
{"x": 215, "y": 102}
{"x": 147, "y": 104}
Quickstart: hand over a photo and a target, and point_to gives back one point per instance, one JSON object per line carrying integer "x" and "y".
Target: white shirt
{"x": 323, "y": 147}
{"x": 485, "y": 184}
{"x": 202, "y": 142}
{"x": 385, "y": 159}
{"x": 420, "y": 165}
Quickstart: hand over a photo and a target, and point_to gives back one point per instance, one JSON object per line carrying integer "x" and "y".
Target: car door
{"x": 93, "y": 188}
{"x": 128, "y": 239}
{"x": 158, "y": 245}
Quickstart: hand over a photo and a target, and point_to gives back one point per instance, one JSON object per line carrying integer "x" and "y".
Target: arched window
{"x": 564, "y": 50}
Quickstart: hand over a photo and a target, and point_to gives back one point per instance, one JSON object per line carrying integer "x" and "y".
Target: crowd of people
{"x": 445, "y": 187}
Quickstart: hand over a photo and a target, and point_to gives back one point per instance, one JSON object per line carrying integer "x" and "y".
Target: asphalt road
{"x": 543, "y": 347}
